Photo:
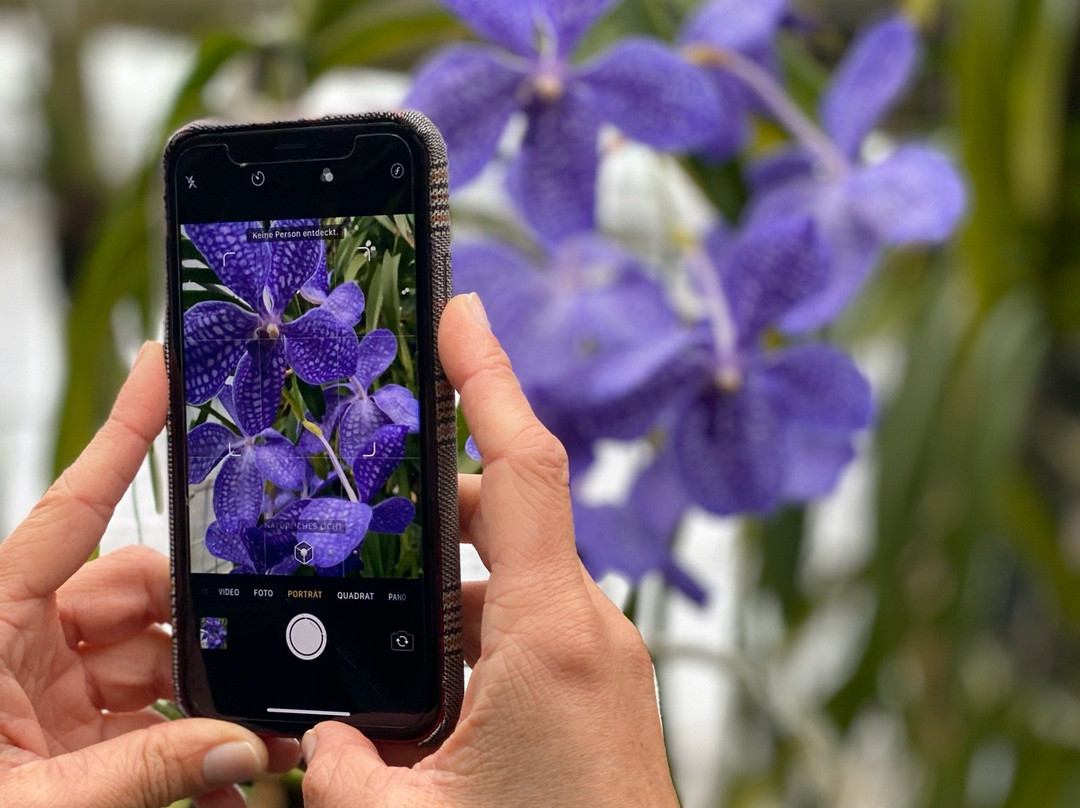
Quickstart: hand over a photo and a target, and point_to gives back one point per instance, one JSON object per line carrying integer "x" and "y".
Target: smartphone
{"x": 312, "y": 453}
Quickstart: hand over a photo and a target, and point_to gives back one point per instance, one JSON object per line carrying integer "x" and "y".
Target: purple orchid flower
{"x": 332, "y": 528}
{"x": 471, "y": 91}
{"x": 915, "y": 196}
{"x": 761, "y": 427}
{"x": 213, "y": 633}
{"x": 565, "y": 325}
{"x": 746, "y": 27}
{"x": 635, "y": 538}
{"x": 250, "y": 339}
{"x": 251, "y": 458}
{"x": 356, "y": 412}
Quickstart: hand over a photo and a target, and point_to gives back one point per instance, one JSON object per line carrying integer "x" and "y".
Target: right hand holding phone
{"x": 561, "y": 705}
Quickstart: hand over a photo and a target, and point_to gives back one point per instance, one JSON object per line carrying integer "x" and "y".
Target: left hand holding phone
{"x": 82, "y": 654}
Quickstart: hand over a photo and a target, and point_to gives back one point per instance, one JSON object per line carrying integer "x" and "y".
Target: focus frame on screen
{"x": 312, "y": 451}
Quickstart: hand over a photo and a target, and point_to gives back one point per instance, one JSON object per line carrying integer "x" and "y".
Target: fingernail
{"x": 307, "y": 745}
{"x": 235, "y": 762}
{"x": 143, "y": 351}
{"x": 476, "y": 306}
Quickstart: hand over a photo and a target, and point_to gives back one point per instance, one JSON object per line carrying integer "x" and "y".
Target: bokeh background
{"x": 913, "y": 641}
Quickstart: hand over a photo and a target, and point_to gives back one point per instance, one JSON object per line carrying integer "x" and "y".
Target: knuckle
{"x": 536, "y": 453}
{"x": 156, "y": 763}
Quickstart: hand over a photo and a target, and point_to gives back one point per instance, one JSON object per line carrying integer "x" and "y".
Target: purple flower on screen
{"x": 747, "y": 27}
{"x": 913, "y": 196}
{"x": 635, "y": 538}
{"x": 332, "y": 527}
{"x": 763, "y": 426}
{"x": 213, "y": 633}
{"x": 356, "y": 412}
{"x": 250, "y": 339}
{"x": 250, "y": 459}
{"x": 471, "y": 91}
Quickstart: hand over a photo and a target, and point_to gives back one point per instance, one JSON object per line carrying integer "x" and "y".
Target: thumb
{"x": 148, "y": 768}
{"x": 343, "y": 769}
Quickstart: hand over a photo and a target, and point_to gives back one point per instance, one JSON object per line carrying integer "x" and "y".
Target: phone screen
{"x": 303, "y": 306}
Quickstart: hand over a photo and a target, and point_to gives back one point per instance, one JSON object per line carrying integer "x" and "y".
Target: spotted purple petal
{"x": 320, "y": 348}
{"x": 915, "y": 196}
{"x": 292, "y": 263}
{"x": 400, "y": 405}
{"x": 260, "y": 376}
{"x": 215, "y": 333}
{"x": 775, "y": 266}
{"x": 868, "y": 82}
{"x": 472, "y": 450}
{"x": 820, "y": 386}
{"x": 377, "y": 351}
{"x": 392, "y": 515}
{"x": 278, "y": 539}
{"x": 333, "y": 528}
{"x": 728, "y": 451}
{"x": 512, "y": 25}
{"x": 853, "y": 248}
{"x": 652, "y": 95}
{"x": 227, "y": 545}
{"x": 816, "y": 457}
{"x": 740, "y": 25}
{"x": 240, "y": 264}
{"x": 469, "y": 92}
{"x": 554, "y": 178}
{"x": 279, "y": 461}
{"x": 238, "y": 491}
{"x": 358, "y": 423}
{"x": 388, "y": 450}
{"x": 346, "y": 303}
{"x": 207, "y": 444}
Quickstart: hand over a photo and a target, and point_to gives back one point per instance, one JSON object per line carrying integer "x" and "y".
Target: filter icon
{"x": 327, "y": 175}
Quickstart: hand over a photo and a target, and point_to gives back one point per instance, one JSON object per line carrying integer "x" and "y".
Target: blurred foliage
{"x": 973, "y": 640}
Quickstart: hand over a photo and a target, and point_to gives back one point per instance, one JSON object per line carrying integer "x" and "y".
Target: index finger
{"x": 525, "y": 495}
{"x": 62, "y": 530}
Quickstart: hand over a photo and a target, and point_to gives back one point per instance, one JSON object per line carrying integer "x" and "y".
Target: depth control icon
{"x": 303, "y": 553}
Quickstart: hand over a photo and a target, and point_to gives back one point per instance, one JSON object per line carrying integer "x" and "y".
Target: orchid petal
{"x": 469, "y": 92}
{"x": 320, "y": 348}
{"x": 653, "y": 96}
{"x": 554, "y": 178}
{"x": 207, "y": 444}
{"x": 874, "y": 73}
{"x": 215, "y": 333}
{"x": 392, "y": 515}
{"x": 388, "y": 450}
{"x": 333, "y": 528}
{"x": 240, "y": 264}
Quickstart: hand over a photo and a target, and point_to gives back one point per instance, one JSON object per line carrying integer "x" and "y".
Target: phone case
{"x": 448, "y": 581}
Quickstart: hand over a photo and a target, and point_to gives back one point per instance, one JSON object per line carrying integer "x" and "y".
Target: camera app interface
{"x": 302, "y": 389}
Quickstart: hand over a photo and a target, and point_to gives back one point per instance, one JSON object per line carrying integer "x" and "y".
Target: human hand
{"x": 561, "y": 705}
{"x": 82, "y": 654}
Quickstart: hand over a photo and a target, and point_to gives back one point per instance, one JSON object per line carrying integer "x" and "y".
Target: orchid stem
{"x": 721, "y": 323}
{"x": 316, "y": 430}
{"x": 773, "y": 95}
